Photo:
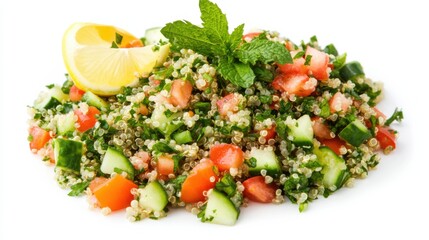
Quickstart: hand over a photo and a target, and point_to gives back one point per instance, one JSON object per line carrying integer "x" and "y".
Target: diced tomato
{"x": 334, "y": 144}
{"x": 271, "y": 133}
{"x": 134, "y": 43}
{"x": 339, "y": 103}
{"x": 88, "y": 120}
{"x": 257, "y": 190}
{"x": 229, "y": 103}
{"x": 386, "y": 137}
{"x": 114, "y": 193}
{"x": 76, "y": 94}
{"x": 180, "y": 93}
{"x": 165, "y": 165}
{"x": 298, "y": 84}
{"x": 297, "y": 67}
{"x": 249, "y": 36}
{"x": 226, "y": 156}
{"x": 320, "y": 129}
{"x": 143, "y": 110}
{"x": 318, "y": 64}
{"x": 38, "y": 137}
{"x": 202, "y": 178}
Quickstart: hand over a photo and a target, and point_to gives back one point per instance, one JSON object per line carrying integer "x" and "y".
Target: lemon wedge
{"x": 95, "y": 66}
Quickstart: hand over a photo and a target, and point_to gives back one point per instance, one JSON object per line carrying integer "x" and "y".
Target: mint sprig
{"x": 233, "y": 58}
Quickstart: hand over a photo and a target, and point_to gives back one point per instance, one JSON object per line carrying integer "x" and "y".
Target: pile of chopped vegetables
{"x": 209, "y": 121}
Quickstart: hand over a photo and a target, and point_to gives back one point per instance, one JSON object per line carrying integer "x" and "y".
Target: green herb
{"x": 177, "y": 182}
{"x": 227, "y": 185}
{"x": 263, "y": 74}
{"x": 299, "y": 54}
{"x": 307, "y": 60}
{"x": 331, "y": 49}
{"x": 398, "y": 115}
{"x": 114, "y": 45}
{"x": 130, "y": 175}
{"x": 66, "y": 86}
{"x": 177, "y": 158}
{"x": 118, "y": 38}
{"x": 163, "y": 148}
{"x": 266, "y": 99}
{"x": 373, "y": 120}
{"x": 251, "y": 162}
{"x": 325, "y": 110}
{"x": 78, "y": 188}
{"x": 50, "y": 86}
{"x": 233, "y": 61}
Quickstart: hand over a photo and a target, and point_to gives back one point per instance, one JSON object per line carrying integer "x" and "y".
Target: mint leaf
{"x": 186, "y": 35}
{"x": 235, "y": 38}
{"x": 118, "y": 38}
{"x": 265, "y": 51}
{"x": 214, "y": 21}
{"x": 240, "y": 74}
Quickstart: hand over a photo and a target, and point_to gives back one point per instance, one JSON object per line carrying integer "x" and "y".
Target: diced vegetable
{"x": 265, "y": 160}
{"x": 339, "y": 103}
{"x": 257, "y": 190}
{"x": 165, "y": 165}
{"x": 114, "y": 193}
{"x": 302, "y": 131}
{"x": 38, "y": 137}
{"x": 226, "y": 156}
{"x": 321, "y": 131}
{"x": 86, "y": 120}
{"x": 229, "y": 103}
{"x": 334, "y": 144}
{"x": 351, "y": 71}
{"x": 202, "y": 178}
{"x": 298, "y": 84}
{"x": 115, "y": 161}
{"x": 68, "y": 154}
{"x": 334, "y": 167}
{"x": 94, "y": 100}
{"x": 76, "y": 94}
{"x": 153, "y": 196}
{"x": 318, "y": 63}
{"x": 386, "y": 137}
{"x": 180, "y": 93}
{"x": 355, "y": 133}
{"x": 220, "y": 209}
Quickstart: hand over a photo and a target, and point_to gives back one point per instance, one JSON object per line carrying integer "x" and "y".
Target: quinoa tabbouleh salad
{"x": 198, "y": 117}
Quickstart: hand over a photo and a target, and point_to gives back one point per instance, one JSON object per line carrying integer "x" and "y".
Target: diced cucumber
{"x": 334, "y": 167}
{"x": 220, "y": 209}
{"x": 301, "y": 131}
{"x": 265, "y": 159}
{"x": 153, "y": 196}
{"x": 355, "y": 133}
{"x": 183, "y": 137}
{"x": 68, "y": 154}
{"x": 65, "y": 123}
{"x": 115, "y": 160}
{"x": 166, "y": 125}
{"x": 93, "y": 100}
{"x": 51, "y": 98}
{"x": 351, "y": 71}
{"x": 153, "y": 36}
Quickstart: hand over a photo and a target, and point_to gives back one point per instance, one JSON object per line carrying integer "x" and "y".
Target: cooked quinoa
{"x": 259, "y": 117}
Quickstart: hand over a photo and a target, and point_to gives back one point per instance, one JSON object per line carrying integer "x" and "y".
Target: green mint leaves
{"x": 233, "y": 58}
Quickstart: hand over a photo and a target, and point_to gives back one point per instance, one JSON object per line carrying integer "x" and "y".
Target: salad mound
{"x": 206, "y": 119}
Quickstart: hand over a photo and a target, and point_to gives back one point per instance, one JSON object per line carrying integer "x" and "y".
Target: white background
{"x": 388, "y": 37}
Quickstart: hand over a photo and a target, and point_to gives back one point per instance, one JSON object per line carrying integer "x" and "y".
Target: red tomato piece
{"x": 38, "y": 137}
{"x": 386, "y": 137}
{"x": 320, "y": 129}
{"x": 339, "y": 103}
{"x": 229, "y": 103}
{"x": 134, "y": 43}
{"x": 88, "y": 120}
{"x": 76, "y": 94}
{"x": 298, "y": 84}
{"x": 318, "y": 64}
{"x": 334, "y": 144}
{"x": 114, "y": 193}
{"x": 202, "y": 178}
{"x": 180, "y": 93}
{"x": 271, "y": 133}
{"x": 379, "y": 113}
{"x": 165, "y": 165}
{"x": 297, "y": 67}
{"x": 249, "y": 36}
{"x": 226, "y": 156}
{"x": 257, "y": 190}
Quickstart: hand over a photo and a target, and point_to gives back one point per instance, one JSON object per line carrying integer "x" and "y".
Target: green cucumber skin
{"x": 68, "y": 154}
{"x": 355, "y": 133}
{"x": 351, "y": 70}
{"x": 94, "y": 100}
{"x": 334, "y": 167}
{"x": 265, "y": 160}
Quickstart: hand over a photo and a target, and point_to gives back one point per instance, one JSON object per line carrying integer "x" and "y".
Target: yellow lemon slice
{"x": 94, "y": 65}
